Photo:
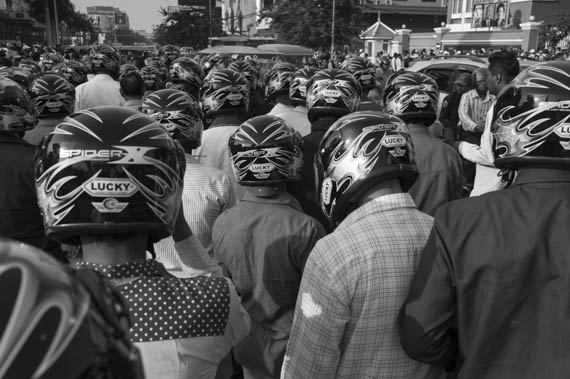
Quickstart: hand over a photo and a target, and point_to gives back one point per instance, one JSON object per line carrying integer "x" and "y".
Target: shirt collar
{"x": 131, "y": 269}
{"x": 105, "y": 77}
{"x": 542, "y": 175}
{"x": 133, "y": 102}
{"x": 283, "y": 198}
{"x": 380, "y": 204}
{"x": 488, "y": 96}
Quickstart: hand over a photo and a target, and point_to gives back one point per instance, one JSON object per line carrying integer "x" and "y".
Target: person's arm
{"x": 239, "y": 322}
{"x": 482, "y": 154}
{"x": 321, "y": 315}
{"x": 427, "y": 318}
{"x": 191, "y": 251}
{"x": 464, "y": 109}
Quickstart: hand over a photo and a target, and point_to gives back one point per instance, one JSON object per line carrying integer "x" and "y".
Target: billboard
{"x": 120, "y": 19}
{"x": 490, "y": 14}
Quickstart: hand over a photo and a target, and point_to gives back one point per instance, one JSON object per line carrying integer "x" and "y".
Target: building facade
{"x": 107, "y": 19}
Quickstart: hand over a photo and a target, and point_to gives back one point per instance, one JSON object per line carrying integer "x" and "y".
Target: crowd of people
{"x": 165, "y": 217}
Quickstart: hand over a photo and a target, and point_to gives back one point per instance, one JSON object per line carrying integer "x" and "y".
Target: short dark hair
{"x": 132, "y": 84}
{"x": 504, "y": 63}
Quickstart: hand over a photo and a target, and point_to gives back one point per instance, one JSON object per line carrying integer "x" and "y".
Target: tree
{"x": 67, "y": 16}
{"x": 187, "y": 28}
{"x": 309, "y": 23}
{"x": 554, "y": 32}
{"x": 129, "y": 37}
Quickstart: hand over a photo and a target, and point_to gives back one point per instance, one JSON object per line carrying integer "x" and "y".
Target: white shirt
{"x": 280, "y": 108}
{"x": 214, "y": 152}
{"x": 297, "y": 119}
{"x": 101, "y": 90}
{"x": 207, "y": 193}
{"x": 486, "y": 174}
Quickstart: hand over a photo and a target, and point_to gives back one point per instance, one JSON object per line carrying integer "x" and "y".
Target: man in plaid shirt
{"x": 356, "y": 278}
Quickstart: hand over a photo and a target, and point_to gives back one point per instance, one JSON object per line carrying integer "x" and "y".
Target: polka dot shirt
{"x": 164, "y": 307}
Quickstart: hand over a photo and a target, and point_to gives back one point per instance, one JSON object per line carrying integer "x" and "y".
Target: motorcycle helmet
{"x": 109, "y": 170}
{"x": 179, "y": 114}
{"x": 224, "y": 90}
{"x": 412, "y": 95}
{"x": 52, "y": 96}
{"x": 266, "y": 151}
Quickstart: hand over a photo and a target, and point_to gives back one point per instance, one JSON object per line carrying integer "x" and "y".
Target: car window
{"x": 441, "y": 75}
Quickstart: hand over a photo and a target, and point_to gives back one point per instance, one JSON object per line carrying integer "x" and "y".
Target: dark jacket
{"x": 304, "y": 190}
{"x": 490, "y": 296}
{"x": 20, "y": 217}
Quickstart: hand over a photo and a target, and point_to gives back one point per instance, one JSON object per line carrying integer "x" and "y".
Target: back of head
{"x": 504, "y": 63}
{"x": 298, "y": 88}
{"x": 266, "y": 151}
{"x": 74, "y": 72}
{"x": 530, "y": 119}
{"x": 224, "y": 91}
{"x": 109, "y": 170}
{"x": 363, "y": 71}
{"x": 60, "y": 323}
{"x": 412, "y": 96}
{"x": 179, "y": 114}
{"x": 132, "y": 84}
{"x": 188, "y": 69}
{"x": 18, "y": 112}
{"x": 151, "y": 78}
{"x": 104, "y": 59}
{"x": 247, "y": 70}
{"x": 278, "y": 80}
{"x": 359, "y": 151}
{"x": 52, "y": 96}
{"x": 332, "y": 93}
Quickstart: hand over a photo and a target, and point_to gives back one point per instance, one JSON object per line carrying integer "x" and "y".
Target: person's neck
{"x": 108, "y": 251}
{"x": 388, "y": 187}
{"x": 482, "y": 94}
{"x": 283, "y": 99}
{"x": 416, "y": 129}
{"x": 226, "y": 119}
{"x": 132, "y": 98}
{"x": 267, "y": 191}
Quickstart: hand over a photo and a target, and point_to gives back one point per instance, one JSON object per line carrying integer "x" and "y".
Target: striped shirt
{"x": 207, "y": 193}
{"x": 473, "y": 110}
{"x": 354, "y": 283}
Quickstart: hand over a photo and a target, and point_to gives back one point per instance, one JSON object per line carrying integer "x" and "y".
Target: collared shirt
{"x": 487, "y": 177}
{"x": 101, "y": 90}
{"x": 473, "y": 109}
{"x": 354, "y": 283}
{"x": 441, "y": 171}
{"x": 264, "y": 243}
{"x": 183, "y": 327}
{"x": 42, "y": 129}
{"x": 297, "y": 119}
{"x": 280, "y": 108}
{"x": 214, "y": 152}
{"x": 490, "y": 296}
{"x": 207, "y": 193}
{"x": 135, "y": 104}
{"x": 20, "y": 217}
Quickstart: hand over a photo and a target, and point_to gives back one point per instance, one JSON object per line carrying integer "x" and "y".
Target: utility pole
{"x": 332, "y": 28}
{"x": 56, "y": 23}
{"x": 49, "y": 34}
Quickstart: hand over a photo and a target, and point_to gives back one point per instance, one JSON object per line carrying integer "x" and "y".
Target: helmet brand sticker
{"x": 393, "y": 141}
{"x": 555, "y": 105}
{"x": 94, "y": 154}
{"x": 261, "y": 167}
{"x": 563, "y": 131}
{"x": 104, "y": 187}
{"x": 420, "y": 98}
{"x": 327, "y": 190}
{"x": 565, "y": 145}
{"x": 110, "y": 205}
{"x": 380, "y": 128}
{"x": 397, "y": 152}
{"x": 332, "y": 93}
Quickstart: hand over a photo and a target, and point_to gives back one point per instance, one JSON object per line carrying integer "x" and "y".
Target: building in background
{"x": 16, "y": 24}
{"x": 106, "y": 19}
{"x": 423, "y": 15}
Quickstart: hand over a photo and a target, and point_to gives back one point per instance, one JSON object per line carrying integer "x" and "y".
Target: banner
{"x": 490, "y": 14}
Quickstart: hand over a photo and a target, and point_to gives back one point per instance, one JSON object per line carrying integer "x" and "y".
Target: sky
{"x": 143, "y": 14}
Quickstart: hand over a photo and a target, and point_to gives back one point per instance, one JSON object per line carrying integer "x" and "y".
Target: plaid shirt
{"x": 354, "y": 283}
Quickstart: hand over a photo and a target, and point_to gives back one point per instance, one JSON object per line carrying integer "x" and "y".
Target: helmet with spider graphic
{"x": 52, "y": 96}
{"x": 109, "y": 170}
{"x": 531, "y": 118}
{"x": 266, "y": 151}
{"x": 224, "y": 91}
{"x": 17, "y": 113}
{"x": 359, "y": 151}
{"x": 412, "y": 96}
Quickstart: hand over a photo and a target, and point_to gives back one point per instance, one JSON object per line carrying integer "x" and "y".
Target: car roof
{"x": 423, "y": 64}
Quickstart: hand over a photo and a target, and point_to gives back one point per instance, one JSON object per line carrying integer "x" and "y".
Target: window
{"x": 441, "y": 75}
